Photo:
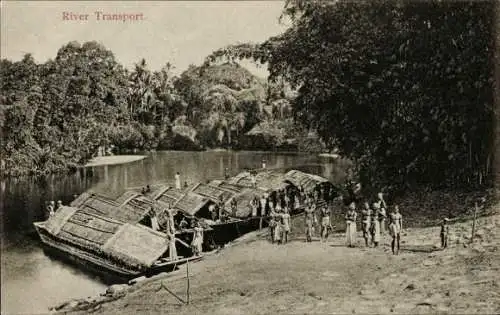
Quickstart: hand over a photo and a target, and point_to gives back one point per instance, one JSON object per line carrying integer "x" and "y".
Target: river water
{"x": 32, "y": 281}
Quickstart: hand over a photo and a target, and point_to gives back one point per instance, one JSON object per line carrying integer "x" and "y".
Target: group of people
{"x": 373, "y": 221}
{"x": 373, "y": 224}
{"x": 51, "y": 207}
{"x": 311, "y": 207}
{"x": 279, "y": 224}
{"x": 170, "y": 228}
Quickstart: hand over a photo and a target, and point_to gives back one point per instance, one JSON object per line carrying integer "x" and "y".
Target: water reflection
{"x": 28, "y": 272}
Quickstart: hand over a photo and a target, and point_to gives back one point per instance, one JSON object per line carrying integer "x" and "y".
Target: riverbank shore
{"x": 113, "y": 160}
{"x": 257, "y": 277}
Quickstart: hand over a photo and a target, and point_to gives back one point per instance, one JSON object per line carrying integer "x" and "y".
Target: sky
{"x": 179, "y": 32}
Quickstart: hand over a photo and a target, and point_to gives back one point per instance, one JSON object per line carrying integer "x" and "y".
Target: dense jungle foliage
{"x": 56, "y": 115}
{"x": 404, "y": 89}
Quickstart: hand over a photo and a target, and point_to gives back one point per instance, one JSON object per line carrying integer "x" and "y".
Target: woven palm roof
{"x": 306, "y": 180}
{"x": 266, "y": 180}
{"x": 212, "y": 192}
{"x": 104, "y": 206}
{"x": 136, "y": 244}
{"x": 131, "y": 244}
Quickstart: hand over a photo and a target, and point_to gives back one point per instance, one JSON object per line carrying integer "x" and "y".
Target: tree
{"x": 367, "y": 74}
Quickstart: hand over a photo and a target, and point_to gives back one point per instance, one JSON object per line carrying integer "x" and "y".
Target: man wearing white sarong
{"x": 351, "y": 225}
{"x": 197, "y": 240}
{"x": 278, "y": 227}
{"x": 263, "y": 203}
{"x": 177, "y": 180}
{"x": 154, "y": 220}
{"x": 172, "y": 250}
{"x": 375, "y": 225}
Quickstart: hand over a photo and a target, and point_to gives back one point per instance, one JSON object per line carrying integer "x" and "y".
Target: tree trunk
{"x": 496, "y": 93}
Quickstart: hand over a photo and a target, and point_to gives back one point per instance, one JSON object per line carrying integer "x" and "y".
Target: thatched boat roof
{"x": 306, "y": 180}
{"x": 105, "y": 206}
{"x": 213, "y": 192}
{"x": 243, "y": 200}
{"x": 81, "y": 199}
{"x": 132, "y": 244}
{"x": 136, "y": 244}
{"x": 190, "y": 203}
{"x": 266, "y": 180}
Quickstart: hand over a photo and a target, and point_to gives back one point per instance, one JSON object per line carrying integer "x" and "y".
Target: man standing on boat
{"x": 154, "y": 219}
{"x": 50, "y": 209}
{"x": 213, "y": 212}
{"x": 177, "y": 180}
{"x": 170, "y": 233}
{"x": 254, "y": 179}
{"x": 197, "y": 239}
{"x": 263, "y": 204}
{"x": 220, "y": 208}
{"x": 254, "y": 204}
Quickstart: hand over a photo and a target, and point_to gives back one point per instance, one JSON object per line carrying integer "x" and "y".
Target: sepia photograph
{"x": 250, "y": 157}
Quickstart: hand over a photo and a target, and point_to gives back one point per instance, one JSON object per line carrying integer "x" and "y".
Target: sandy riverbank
{"x": 257, "y": 277}
{"x": 114, "y": 159}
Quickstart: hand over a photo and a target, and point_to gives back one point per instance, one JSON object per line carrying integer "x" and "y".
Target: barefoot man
{"x": 325, "y": 222}
{"x": 395, "y": 227}
{"x": 351, "y": 225}
{"x": 366, "y": 215}
{"x": 286, "y": 224}
{"x": 309, "y": 215}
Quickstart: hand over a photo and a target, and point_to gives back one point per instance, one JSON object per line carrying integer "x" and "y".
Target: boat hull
{"x": 97, "y": 264}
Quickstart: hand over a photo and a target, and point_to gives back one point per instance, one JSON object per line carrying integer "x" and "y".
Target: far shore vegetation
{"x": 402, "y": 89}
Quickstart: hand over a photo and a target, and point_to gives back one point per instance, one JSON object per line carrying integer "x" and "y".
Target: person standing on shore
{"x": 309, "y": 220}
{"x": 444, "y": 233}
{"x": 177, "y": 180}
{"x": 382, "y": 215}
{"x": 351, "y": 225}
{"x": 286, "y": 224}
{"x": 366, "y": 215}
{"x": 325, "y": 222}
{"x": 395, "y": 227}
{"x": 278, "y": 227}
{"x": 375, "y": 225}
{"x": 263, "y": 164}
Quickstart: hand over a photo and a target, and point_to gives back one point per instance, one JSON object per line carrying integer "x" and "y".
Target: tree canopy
{"x": 405, "y": 89}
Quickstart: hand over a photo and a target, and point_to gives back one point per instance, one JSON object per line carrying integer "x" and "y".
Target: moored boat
{"x": 117, "y": 235}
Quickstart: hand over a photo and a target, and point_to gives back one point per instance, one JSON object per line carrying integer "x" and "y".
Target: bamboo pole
{"x": 474, "y": 222}
{"x": 188, "y": 284}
